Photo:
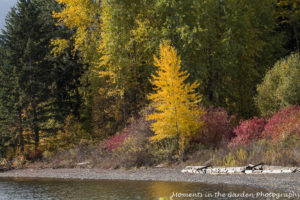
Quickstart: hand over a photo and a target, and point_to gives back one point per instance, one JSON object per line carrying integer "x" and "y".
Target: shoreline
{"x": 283, "y": 182}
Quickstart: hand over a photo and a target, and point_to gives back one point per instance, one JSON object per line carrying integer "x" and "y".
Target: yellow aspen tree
{"x": 176, "y": 102}
{"x": 82, "y": 16}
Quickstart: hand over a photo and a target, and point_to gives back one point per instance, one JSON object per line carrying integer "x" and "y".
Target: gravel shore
{"x": 284, "y": 182}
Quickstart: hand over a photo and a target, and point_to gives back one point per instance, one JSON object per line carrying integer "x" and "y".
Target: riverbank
{"x": 284, "y": 182}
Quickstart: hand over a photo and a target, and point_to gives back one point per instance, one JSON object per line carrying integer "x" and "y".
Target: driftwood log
{"x": 259, "y": 168}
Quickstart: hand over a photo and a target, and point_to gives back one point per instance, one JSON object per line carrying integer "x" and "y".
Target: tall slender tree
{"x": 176, "y": 102}
{"x": 11, "y": 119}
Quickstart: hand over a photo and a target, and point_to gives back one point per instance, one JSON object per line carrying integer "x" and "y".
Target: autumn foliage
{"x": 115, "y": 141}
{"x": 137, "y": 127}
{"x": 175, "y": 101}
{"x": 284, "y": 124}
{"x": 279, "y": 127}
{"x": 76, "y": 75}
{"x": 79, "y": 15}
{"x": 248, "y": 131}
{"x": 217, "y": 128}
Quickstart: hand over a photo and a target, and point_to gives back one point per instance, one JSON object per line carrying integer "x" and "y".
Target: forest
{"x": 122, "y": 84}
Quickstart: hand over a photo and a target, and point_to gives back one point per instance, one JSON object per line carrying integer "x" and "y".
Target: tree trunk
{"x": 35, "y": 127}
{"x": 21, "y": 137}
{"x": 296, "y": 37}
{"x": 181, "y": 147}
{"x": 77, "y": 105}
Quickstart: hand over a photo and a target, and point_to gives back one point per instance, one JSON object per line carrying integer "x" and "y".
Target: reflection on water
{"x": 19, "y": 189}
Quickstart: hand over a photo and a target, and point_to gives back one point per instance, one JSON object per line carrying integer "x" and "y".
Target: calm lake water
{"x": 21, "y": 189}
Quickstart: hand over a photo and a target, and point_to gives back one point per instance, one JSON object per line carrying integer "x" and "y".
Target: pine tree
{"x": 43, "y": 89}
{"x": 12, "y": 97}
{"x": 175, "y": 101}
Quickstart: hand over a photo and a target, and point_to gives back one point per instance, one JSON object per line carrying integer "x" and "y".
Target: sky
{"x": 5, "y": 6}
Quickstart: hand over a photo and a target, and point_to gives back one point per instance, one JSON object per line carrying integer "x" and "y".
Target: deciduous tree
{"x": 281, "y": 86}
{"x": 176, "y": 102}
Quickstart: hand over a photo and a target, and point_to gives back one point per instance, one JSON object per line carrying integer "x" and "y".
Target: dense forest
{"x": 142, "y": 82}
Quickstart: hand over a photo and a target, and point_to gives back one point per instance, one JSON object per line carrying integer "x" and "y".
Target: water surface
{"x": 22, "y": 189}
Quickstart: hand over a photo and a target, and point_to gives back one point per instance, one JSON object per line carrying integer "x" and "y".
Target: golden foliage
{"x": 83, "y": 17}
{"x": 59, "y": 46}
{"x": 176, "y": 102}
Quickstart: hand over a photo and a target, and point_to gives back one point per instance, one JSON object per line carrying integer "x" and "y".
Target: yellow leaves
{"x": 83, "y": 17}
{"x": 178, "y": 114}
{"x": 76, "y": 13}
{"x": 59, "y": 46}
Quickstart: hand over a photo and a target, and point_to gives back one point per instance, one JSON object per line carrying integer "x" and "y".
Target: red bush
{"x": 137, "y": 126}
{"x": 283, "y": 124}
{"x": 247, "y": 131}
{"x": 115, "y": 141}
{"x": 217, "y": 127}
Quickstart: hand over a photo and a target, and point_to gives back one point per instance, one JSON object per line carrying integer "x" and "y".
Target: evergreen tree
{"x": 45, "y": 87}
{"x": 12, "y": 97}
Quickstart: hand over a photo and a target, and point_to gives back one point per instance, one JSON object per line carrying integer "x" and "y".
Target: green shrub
{"x": 281, "y": 86}
{"x": 164, "y": 150}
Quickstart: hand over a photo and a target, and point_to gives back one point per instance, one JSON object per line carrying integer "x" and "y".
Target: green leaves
{"x": 281, "y": 86}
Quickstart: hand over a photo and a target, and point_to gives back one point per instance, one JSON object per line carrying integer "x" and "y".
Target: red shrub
{"x": 283, "y": 124}
{"x": 115, "y": 141}
{"x": 217, "y": 127}
{"x": 137, "y": 126}
{"x": 247, "y": 131}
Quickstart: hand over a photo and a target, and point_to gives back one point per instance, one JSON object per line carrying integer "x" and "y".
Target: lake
{"x": 21, "y": 189}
